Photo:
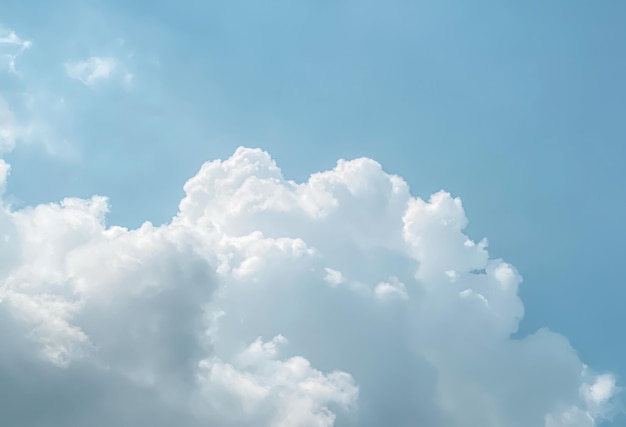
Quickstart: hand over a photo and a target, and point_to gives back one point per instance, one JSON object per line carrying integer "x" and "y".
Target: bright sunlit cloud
{"x": 266, "y": 302}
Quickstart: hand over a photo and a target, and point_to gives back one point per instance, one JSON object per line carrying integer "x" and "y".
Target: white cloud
{"x": 393, "y": 287}
{"x": 296, "y": 394}
{"x": 333, "y": 277}
{"x": 11, "y": 46}
{"x": 95, "y": 70}
{"x": 174, "y": 324}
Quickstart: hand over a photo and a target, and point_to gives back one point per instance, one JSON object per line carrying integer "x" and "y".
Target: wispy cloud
{"x": 32, "y": 127}
{"x": 97, "y": 69}
{"x": 11, "y": 46}
{"x": 28, "y": 118}
{"x": 8, "y": 128}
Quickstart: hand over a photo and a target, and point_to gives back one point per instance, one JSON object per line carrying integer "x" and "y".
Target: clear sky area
{"x": 320, "y": 276}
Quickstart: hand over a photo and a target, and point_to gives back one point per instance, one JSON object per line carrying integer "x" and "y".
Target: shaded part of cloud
{"x": 81, "y": 395}
{"x": 11, "y": 46}
{"x": 96, "y": 70}
{"x": 124, "y": 312}
{"x": 341, "y": 301}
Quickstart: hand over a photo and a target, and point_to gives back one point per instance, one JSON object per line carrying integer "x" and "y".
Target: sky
{"x": 322, "y": 276}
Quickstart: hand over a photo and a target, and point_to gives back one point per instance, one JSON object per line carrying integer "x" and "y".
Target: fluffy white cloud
{"x": 95, "y": 70}
{"x": 341, "y": 301}
{"x": 294, "y": 392}
{"x": 11, "y": 46}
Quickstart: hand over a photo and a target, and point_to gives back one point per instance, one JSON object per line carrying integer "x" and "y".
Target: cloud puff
{"x": 11, "y": 46}
{"x": 340, "y": 301}
{"x": 95, "y": 70}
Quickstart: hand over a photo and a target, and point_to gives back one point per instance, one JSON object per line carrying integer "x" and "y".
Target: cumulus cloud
{"x": 95, "y": 70}
{"x": 11, "y": 46}
{"x": 340, "y": 301}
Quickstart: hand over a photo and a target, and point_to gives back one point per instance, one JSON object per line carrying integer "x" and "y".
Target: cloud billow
{"x": 341, "y": 301}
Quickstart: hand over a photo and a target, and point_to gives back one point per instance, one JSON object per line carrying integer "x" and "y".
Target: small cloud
{"x": 393, "y": 287}
{"x": 11, "y": 46}
{"x": 333, "y": 277}
{"x": 96, "y": 69}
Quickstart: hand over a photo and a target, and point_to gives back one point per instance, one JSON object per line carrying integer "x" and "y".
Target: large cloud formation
{"x": 342, "y": 301}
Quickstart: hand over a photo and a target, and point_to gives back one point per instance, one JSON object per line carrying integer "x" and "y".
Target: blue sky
{"x": 516, "y": 107}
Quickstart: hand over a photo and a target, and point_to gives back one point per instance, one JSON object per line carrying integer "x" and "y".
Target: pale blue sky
{"x": 516, "y": 107}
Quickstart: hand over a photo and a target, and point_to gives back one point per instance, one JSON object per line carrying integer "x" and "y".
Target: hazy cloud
{"x": 11, "y": 46}
{"x": 95, "y": 70}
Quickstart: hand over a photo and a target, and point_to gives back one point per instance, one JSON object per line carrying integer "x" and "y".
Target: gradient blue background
{"x": 516, "y": 107}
